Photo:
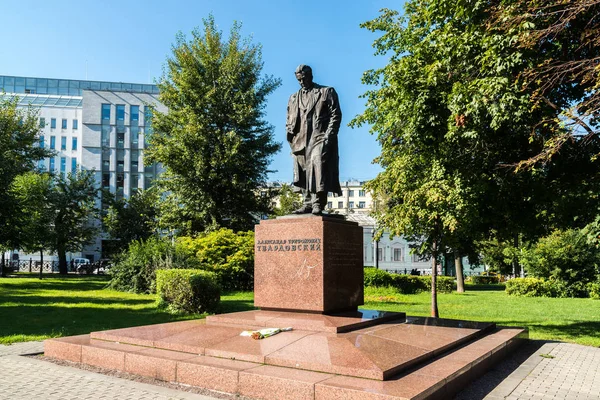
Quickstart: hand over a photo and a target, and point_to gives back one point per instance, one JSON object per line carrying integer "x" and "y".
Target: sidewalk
{"x": 565, "y": 372}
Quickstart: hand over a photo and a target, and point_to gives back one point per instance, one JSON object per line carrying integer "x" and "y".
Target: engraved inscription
{"x": 289, "y": 245}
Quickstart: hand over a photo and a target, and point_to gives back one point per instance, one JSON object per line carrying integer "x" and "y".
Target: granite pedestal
{"x": 308, "y": 263}
{"x": 309, "y": 277}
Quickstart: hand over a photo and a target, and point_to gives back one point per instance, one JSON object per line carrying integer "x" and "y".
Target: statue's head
{"x": 304, "y": 76}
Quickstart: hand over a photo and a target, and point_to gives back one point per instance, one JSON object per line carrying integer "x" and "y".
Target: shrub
{"x": 406, "y": 284}
{"x": 564, "y": 256}
{"x": 594, "y": 289}
{"x": 135, "y": 269}
{"x": 378, "y": 278}
{"x": 529, "y": 287}
{"x": 188, "y": 290}
{"x": 484, "y": 279}
{"x": 228, "y": 254}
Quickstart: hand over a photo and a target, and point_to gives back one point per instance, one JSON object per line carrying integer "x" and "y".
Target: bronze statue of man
{"x": 313, "y": 122}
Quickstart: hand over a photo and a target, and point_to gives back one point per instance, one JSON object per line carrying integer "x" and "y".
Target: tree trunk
{"x": 62, "y": 261}
{"x": 460, "y": 279}
{"x": 434, "y": 306}
{"x": 41, "y": 262}
{"x": 3, "y": 271}
{"x": 516, "y": 267}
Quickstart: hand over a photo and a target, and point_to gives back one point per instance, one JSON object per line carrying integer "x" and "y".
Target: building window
{"x": 380, "y": 254}
{"x": 120, "y": 166}
{"x": 41, "y": 166}
{"x": 329, "y": 204}
{"x": 63, "y": 165}
{"x": 133, "y": 182}
{"x": 63, "y": 143}
{"x": 74, "y": 143}
{"x": 329, "y": 194}
{"x": 52, "y": 164}
{"x": 340, "y": 204}
{"x": 105, "y": 135}
{"x": 361, "y": 204}
{"x": 52, "y": 142}
{"x": 42, "y": 142}
{"x": 361, "y": 193}
{"x": 64, "y": 124}
{"x": 120, "y": 181}
{"x": 106, "y": 112}
{"x": 73, "y": 164}
{"x": 134, "y": 115}
{"x": 105, "y": 165}
{"x": 350, "y": 193}
{"x": 120, "y": 112}
{"x": 105, "y": 181}
{"x": 351, "y": 204}
{"x": 120, "y": 139}
{"x": 52, "y": 123}
{"x": 42, "y": 122}
{"x": 397, "y": 254}
{"x": 75, "y": 124}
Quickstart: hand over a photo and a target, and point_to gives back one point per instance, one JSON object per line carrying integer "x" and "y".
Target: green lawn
{"x": 31, "y": 309}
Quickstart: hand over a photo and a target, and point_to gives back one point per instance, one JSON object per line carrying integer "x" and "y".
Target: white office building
{"x": 95, "y": 126}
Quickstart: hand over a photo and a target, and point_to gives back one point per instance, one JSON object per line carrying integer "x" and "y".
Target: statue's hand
{"x": 326, "y": 144}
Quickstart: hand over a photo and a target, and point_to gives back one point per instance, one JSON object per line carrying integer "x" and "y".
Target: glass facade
{"x": 70, "y": 87}
{"x": 105, "y": 112}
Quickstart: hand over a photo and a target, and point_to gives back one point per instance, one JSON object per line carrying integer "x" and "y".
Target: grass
{"x": 31, "y": 309}
{"x": 569, "y": 320}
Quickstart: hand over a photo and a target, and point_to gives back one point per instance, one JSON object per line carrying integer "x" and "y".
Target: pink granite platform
{"x": 420, "y": 359}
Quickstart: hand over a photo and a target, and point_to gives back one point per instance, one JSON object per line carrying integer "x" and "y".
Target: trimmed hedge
{"x": 535, "y": 287}
{"x": 188, "y": 290}
{"x": 407, "y": 284}
{"x": 483, "y": 279}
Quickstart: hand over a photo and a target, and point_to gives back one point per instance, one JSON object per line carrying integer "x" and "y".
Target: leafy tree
{"x": 453, "y": 120}
{"x": 73, "y": 199}
{"x": 289, "y": 200}
{"x": 34, "y": 212}
{"x": 566, "y": 78}
{"x": 132, "y": 219}
{"x": 19, "y": 152}
{"x": 214, "y": 142}
{"x": 56, "y": 212}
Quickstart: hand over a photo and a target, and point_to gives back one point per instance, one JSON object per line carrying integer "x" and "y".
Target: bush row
{"x": 188, "y": 290}
{"x": 536, "y": 287}
{"x": 483, "y": 279}
{"x": 407, "y": 284}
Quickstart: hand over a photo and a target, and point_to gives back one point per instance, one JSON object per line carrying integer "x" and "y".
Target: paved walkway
{"x": 558, "y": 371}
{"x": 26, "y": 378}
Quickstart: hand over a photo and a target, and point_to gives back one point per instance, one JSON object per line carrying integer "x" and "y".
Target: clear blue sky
{"x": 129, "y": 41}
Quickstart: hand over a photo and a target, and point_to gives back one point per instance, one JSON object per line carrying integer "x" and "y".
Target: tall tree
{"x": 19, "y": 151}
{"x": 56, "y": 213}
{"x": 566, "y": 33}
{"x": 73, "y": 198}
{"x": 452, "y": 120}
{"x": 289, "y": 200}
{"x": 214, "y": 142}
{"x": 132, "y": 219}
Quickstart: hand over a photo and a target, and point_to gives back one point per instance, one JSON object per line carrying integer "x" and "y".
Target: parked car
{"x": 82, "y": 265}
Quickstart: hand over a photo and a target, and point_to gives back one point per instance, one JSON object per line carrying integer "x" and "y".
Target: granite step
{"x": 437, "y": 378}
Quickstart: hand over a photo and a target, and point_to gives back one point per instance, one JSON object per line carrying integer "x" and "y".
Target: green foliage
{"x": 188, "y": 290}
{"x": 483, "y": 279}
{"x": 529, "y": 287}
{"x": 594, "y": 289}
{"x": 228, "y": 254}
{"x": 135, "y": 269}
{"x": 132, "y": 219}
{"x": 407, "y": 284}
{"x": 535, "y": 287}
{"x": 19, "y": 135}
{"x": 214, "y": 142}
{"x": 566, "y": 257}
{"x": 289, "y": 200}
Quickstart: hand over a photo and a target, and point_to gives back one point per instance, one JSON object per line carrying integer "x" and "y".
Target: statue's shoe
{"x": 303, "y": 210}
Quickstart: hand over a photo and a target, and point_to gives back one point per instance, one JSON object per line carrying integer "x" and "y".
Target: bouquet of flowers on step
{"x": 264, "y": 333}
